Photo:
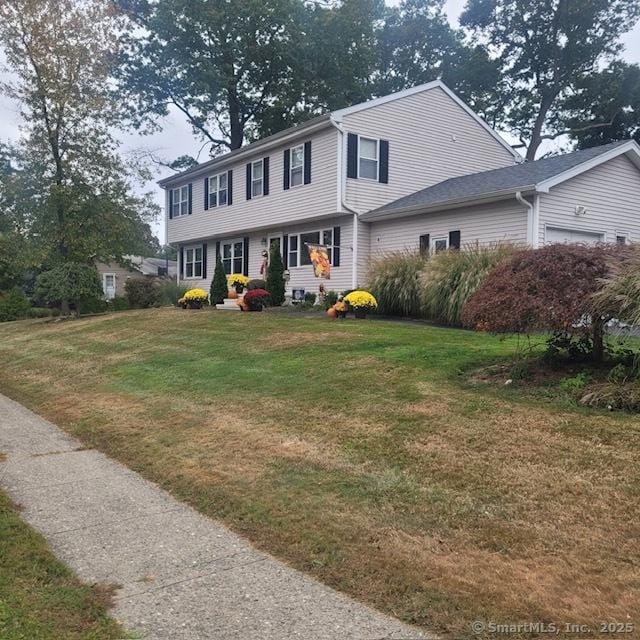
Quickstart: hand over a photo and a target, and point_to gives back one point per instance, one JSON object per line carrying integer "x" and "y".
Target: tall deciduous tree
{"x": 70, "y": 189}
{"x": 546, "y": 48}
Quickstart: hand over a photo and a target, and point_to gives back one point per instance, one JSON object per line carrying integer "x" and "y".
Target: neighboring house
{"x": 413, "y": 169}
{"x": 114, "y": 276}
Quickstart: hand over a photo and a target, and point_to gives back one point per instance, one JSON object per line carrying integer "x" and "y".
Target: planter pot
{"x": 239, "y": 288}
{"x": 195, "y": 305}
{"x": 360, "y": 314}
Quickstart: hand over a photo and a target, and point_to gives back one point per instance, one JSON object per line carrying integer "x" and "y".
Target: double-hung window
{"x": 193, "y": 262}
{"x": 440, "y": 244}
{"x": 218, "y": 190}
{"x": 257, "y": 178}
{"x": 297, "y": 166}
{"x": 233, "y": 256}
{"x": 368, "y": 160}
{"x": 179, "y": 202}
{"x": 298, "y": 253}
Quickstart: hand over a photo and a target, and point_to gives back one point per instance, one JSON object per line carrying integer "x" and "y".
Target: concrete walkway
{"x": 182, "y": 575}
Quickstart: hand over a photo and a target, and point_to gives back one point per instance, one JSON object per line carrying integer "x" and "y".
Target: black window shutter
{"x": 230, "y": 187}
{"x": 383, "y": 174}
{"x": 249, "y": 181}
{"x": 190, "y": 198}
{"x": 352, "y": 155}
{"x": 217, "y": 250}
{"x": 170, "y": 204}
{"x": 206, "y": 194}
{"x": 454, "y": 240}
{"x": 265, "y": 176}
{"x": 204, "y": 260}
{"x": 307, "y": 162}
{"x": 287, "y": 168}
{"x": 245, "y": 256}
{"x": 181, "y": 262}
{"x": 285, "y": 251}
{"x": 336, "y": 246}
{"x": 424, "y": 243}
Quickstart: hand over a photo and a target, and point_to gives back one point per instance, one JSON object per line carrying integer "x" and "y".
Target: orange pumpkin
{"x": 233, "y": 294}
{"x": 331, "y": 312}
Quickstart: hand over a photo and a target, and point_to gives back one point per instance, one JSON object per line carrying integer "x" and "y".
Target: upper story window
{"x": 297, "y": 165}
{"x": 257, "y": 178}
{"x": 193, "y": 262}
{"x": 368, "y": 158}
{"x": 180, "y": 201}
{"x": 218, "y": 190}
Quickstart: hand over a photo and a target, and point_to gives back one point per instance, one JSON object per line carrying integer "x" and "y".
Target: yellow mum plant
{"x": 361, "y": 300}
{"x": 237, "y": 279}
{"x": 195, "y": 295}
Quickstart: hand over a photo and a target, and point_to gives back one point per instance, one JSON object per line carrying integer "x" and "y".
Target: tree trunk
{"x": 536, "y": 132}
{"x": 64, "y": 307}
{"x": 235, "y": 119}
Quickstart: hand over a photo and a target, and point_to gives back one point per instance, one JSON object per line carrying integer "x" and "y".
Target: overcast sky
{"x": 177, "y": 138}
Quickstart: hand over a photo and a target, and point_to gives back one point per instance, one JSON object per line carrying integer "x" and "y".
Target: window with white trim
{"x": 440, "y": 244}
{"x": 368, "y": 150}
{"x": 296, "y": 169}
{"x": 193, "y": 262}
{"x": 622, "y": 238}
{"x": 257, "y": 178}
{"x": 218, "y": 190}
{"x": 179, "y": 201}
{"x": 233, "y": 256}
{"x": 298, "y": 253}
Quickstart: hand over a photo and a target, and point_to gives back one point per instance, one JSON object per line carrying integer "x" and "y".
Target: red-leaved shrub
{"x": 547, "y": 289}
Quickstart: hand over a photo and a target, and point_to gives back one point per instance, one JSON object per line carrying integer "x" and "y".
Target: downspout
{"x": 530, "y": 218}
{"x": 342, "y": 178}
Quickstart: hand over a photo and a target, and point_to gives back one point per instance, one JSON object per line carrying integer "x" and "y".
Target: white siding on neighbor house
{"x": 301, "y": 277}
{"x": 280, "y": 206}
{"x": 610, "y": 194}
{"x": 431, "y": 138}
{"x": 483, "y": 224}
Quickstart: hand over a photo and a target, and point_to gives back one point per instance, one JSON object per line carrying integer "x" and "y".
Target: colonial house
{"x": 414, "y": 169}
{"x": 114, "y": 275}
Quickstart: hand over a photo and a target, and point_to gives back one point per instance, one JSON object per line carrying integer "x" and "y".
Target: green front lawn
{"x": 357, "y": 451}
{"x": 40, "y": 599}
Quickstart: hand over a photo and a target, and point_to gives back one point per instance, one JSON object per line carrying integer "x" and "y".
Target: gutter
{"x": 342, "y": 204}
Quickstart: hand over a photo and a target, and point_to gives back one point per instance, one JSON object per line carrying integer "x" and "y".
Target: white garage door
{"x": 554, "y": 235}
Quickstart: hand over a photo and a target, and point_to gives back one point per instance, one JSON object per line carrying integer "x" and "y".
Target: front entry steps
{"x": 229, "y": 304}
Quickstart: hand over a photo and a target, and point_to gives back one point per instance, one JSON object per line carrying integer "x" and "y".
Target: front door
{"x": 109, "y": 286}
{"x": 277, "y": 241}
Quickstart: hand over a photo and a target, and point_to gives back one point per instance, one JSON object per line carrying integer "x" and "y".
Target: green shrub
{"x": 576, "y": 383}
{"x": 275, "y": 276}
{"x": 219, "y": 286}
{"x": 43, "y": 312}
{"x": 256, "y": 283}
{"x": 450, "y": 278}
{"x": 310, "y": 297}
{"x": 13, "y": 305}
{"x": 142, "y": 293}
{"x": 330, "y": 298}
{"x": 394, "y": 280}
{"x": 70, "y": 284}
{"x": 520, "y": 370}
{"x": 169, "y": 292}
{"x": 120, "y": 303}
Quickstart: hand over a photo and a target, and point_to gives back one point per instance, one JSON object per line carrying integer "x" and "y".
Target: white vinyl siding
{"x": 431, "y": 138}
{"x": 280, "y": 207}
{"x": 483, "y": 224}
{"x": 610, "y": 195}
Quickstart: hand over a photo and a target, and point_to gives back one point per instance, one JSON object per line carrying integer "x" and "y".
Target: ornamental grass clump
{"x": 394, "y": 279}
{"x": 450, "y": 278}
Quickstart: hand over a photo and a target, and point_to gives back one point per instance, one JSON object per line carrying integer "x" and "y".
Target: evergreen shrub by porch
{"x": 450, "y": 278}
{"x": 394, "y": 280}
{"x": 547, "y": 289}
{"x": 275, "y": 276}
{"x": 219, "y": 286}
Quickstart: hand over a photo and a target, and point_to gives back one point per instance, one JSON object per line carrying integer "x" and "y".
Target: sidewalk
{"x": 182, "y": 575}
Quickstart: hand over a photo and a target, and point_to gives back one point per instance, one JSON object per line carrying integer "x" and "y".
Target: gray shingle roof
{"x": 518, "y": 177}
